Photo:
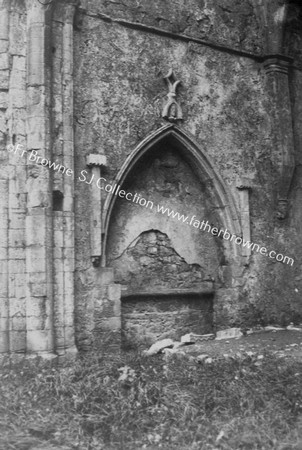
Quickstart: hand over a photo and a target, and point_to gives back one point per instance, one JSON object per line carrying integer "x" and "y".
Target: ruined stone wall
{"x": 36, "y": 244}
{"x": 227, "y": 107}
{"x": 82, "y": 83}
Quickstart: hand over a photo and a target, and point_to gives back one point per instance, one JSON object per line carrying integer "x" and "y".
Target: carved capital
{"x": 277, "y": 64}
{"x": 94, "y": 160}
{"x": 243, "y": 184}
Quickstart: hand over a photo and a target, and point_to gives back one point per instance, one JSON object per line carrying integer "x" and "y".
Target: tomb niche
{"x": 167, "y": 265}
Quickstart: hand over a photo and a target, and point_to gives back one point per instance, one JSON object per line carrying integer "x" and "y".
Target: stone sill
{"x": 205, "y": 287}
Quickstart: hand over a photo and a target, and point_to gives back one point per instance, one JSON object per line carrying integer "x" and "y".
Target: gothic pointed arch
{"x": 203, "y": 166}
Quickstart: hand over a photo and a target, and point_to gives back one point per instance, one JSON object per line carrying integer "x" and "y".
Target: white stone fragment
{"x": 229, "y": 333}
{"x": 273, "y": 328}
{"x": 201, "y": 358}
{"x": 159, "y": 346}
{"x": 192, "y": 338}
{"x": 293, "y": 328}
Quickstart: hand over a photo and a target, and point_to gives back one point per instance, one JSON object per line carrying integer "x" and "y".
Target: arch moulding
{"x": 222, "y": 198}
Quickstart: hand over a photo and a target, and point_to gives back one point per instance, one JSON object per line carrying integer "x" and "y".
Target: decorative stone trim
{"x": 172, "y": 110}
{"x": 277, "y": 64}
{"x": 95, "y": 162}
{"x": 244, "y": 186}
{"x": 277, "y": 68}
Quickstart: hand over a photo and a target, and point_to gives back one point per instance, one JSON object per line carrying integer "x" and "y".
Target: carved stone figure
{"x": 172, "y": 111}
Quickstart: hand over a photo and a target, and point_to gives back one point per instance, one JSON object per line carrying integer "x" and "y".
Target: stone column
{"x": 96, "y": 162}
{"x": 243, "y": 187}
{"x": 64, "y": 239}
{"x": 4, "y": 191}
{"x": 39, "y": 230}
{"x": 276, "y": 67}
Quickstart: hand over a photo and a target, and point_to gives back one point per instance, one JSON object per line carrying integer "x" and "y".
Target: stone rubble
{"x": 229, "y": 333}
{"x": 191, "y": 343}
{"x": 159, "y": 346}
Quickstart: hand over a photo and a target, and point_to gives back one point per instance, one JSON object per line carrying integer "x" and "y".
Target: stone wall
{"x": 83, "y": 84}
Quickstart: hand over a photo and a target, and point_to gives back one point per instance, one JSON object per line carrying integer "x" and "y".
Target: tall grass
{"x": 150, "y": 403}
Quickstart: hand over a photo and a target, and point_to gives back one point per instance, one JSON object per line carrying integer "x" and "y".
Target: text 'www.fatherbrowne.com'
{"x": 225, "y": 234}
{"x": 116, "y": 190}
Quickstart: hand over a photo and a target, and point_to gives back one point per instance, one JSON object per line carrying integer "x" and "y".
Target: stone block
{"x": 13, "y": 199}
{"x": 17, "y": 306}
{"x": 38, "y": 196}
{"x": 11, "y": 281}
{"x": 35, "y": 323}
{"x": 3, "y": 44}
{"x": 33, "y": 262}
{"x": 69, "y": 264}
{"x": 96, "y": 160}
{"x": 36, "y": 133}
{"x": 20, "y": 287}
{"x": 69, "y": 319}
{"x": 68, "y": 201}
{"x": 69, "y": 239}
{"x": 18, "y": 322}
{"x": 17, "y": 266}
{"x": 105, "y": 276}
{"x": 3, "y": 250}
{"x": 109, "y": 323}
{"x": 17, "y": 341}
{"x": 4, "y": 311}
{"x": 4, "y": 79}
{"x": 3, "y": 286}
{"x": 36, "y": 229}
{"x": 36, "y": 306}
{"x": 58, "y": 239}
{"x": 68, "y": 221}
{"x": 39, "y": 340}
{"x": 16, "y": 219}
{"x": 58, "y": 318}
{"x": 3, "y": 100}
{"x": 4, "y": 61}
{"x": 69, "y": 335}
{"x": 4, "y": 192}
{"x": 4, "y": 323}
{"x": 36, "y": 277}
{"x": 58, "y": 253}
{"x": 17, "y": 97}
{"x": 38, "y": 290}
{"x": 19, "y": 70}
{"x": 69, "y": 306}
{"x": 3, "y": 267}
{"x": 58, "y": 221}
{"x": 68, "y": 283}
{"x": 4, "y": 341}
{"x": 114, "y": 292}
{"x": 3, "y": 240}
{"x": 16, "y": 253}
{"x": 17, "y": 37}
{"x": 229, "y": 333}
{"x": 17, "y": 286}
{"x": 4, "y": 23}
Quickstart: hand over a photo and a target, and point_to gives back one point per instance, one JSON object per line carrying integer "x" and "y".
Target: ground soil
{"x": 283, "y": 343}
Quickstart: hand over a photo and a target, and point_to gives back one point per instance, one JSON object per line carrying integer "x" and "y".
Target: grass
{"x": 150, "y": 404}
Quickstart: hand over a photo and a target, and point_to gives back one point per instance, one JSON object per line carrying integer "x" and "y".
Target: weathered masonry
{"x": 190, "y": 105}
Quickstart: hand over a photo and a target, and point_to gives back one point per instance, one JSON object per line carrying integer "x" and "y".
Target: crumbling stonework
{"x": 85, "y": 84}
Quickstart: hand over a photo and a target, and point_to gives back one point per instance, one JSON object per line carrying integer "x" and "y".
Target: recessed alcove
{"x": 147, "y": 317}
{"x": 168, "y": 265}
